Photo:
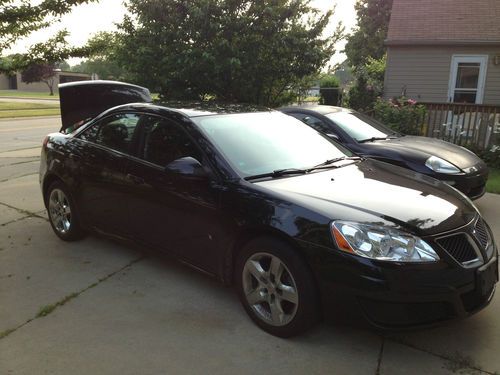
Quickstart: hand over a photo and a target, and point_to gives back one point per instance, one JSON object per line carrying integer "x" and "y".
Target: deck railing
{"x": 469, "y": 125}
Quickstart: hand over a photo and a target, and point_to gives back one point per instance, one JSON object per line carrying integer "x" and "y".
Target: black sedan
{"x": 259, "y": 200}
{"x": 365, "y": 136}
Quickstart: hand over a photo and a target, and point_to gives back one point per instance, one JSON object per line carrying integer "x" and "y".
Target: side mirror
{"x": 187, "y": 167}
{"x": 333, "y": 136}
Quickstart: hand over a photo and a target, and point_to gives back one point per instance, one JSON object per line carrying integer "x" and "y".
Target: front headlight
{"x": 441, "y": 166}
{"x": 381, "y": 243}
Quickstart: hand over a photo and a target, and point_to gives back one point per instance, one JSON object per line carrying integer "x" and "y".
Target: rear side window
{"x": 116, "y": 132}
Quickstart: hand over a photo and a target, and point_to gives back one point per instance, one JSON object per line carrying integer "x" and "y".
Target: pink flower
{"x": 412, "y": 102}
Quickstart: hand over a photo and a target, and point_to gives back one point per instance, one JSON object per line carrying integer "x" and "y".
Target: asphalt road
{"x": 99, "y": 307}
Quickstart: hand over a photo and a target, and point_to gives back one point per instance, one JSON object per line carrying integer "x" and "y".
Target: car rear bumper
{"x": 393, "y": 296}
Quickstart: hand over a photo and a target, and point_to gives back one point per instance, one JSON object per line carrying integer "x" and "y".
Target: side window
{"x": 316, "y": 123}
{"x": 116, "y": 132}
{"x": 165, "y": 141}
{"x": 90, "y": 134}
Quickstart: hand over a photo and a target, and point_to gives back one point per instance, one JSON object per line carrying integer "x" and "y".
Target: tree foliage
{"x": 368, "y": 38}
{"x": 369, "y": 84}
{"x": 102, "y": 60}
{"x": 19, "y": 18}
{"x": 235, "y": 50}
{"x": 40, "y": 73}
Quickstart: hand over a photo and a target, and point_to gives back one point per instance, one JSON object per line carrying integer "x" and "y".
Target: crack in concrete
{"x": 13, "y": 178}
{"x": 35, "y": 159}
{"x": 48, "y": 309}
{"x": 24, "y": 212}
{"x": 18, "y": 149}
{"x": 380, "y": 356}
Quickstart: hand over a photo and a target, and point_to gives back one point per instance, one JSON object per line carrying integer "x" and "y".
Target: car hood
{"x": 372, "y": 191}
{"x": 84, "y": 100}
{"x": 424, "y": 147}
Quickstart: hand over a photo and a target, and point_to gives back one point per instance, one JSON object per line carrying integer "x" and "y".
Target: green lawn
{"x": 28, "y": 94}
{"x": 10, "y": 109}
{"x": 493, "y": 184}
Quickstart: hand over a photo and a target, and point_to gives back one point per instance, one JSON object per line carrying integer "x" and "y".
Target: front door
{"x": 173, "y": 212}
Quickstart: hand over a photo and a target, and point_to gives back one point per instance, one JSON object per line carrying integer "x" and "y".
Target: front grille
{"x": 481, "y": 233}
{"x": 459, "y": 247}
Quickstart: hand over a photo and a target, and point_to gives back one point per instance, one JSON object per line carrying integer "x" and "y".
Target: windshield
{"x": 256, "y": 143}
{"x": 359, "y": 126}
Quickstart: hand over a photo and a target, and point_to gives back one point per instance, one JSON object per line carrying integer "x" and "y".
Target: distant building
{"x": 14, "y": 82}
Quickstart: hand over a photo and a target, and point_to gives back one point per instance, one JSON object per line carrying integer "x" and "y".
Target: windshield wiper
{"x": 393, "y": 135}
{"x": 329, "y": 163}
{"x": 372, "y": 139}
{"x": 277, "y": 173}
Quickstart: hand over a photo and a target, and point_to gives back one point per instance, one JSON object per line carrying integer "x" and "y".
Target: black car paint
{"x": 205, "y": 221}
{"x": 408, "y": 152}
{"x": 83, "y": 100}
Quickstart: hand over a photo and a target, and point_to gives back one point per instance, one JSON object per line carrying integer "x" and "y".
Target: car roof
{"x": 321, "y": 109}
{"x": 195, "y": 109}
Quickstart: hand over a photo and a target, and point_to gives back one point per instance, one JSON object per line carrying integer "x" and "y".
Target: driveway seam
{"x": 446, "y": 358}
{"x": 48, "y": 309}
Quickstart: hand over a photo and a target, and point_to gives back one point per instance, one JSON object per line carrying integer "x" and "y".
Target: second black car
{"x": 365, "y": 136}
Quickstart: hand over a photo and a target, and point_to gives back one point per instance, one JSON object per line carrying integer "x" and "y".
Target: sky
{"x": 85, "y": 20}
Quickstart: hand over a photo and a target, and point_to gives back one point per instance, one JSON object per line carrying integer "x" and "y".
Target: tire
{"x": 62, "y": 211}
{"x": 276, "y": 287}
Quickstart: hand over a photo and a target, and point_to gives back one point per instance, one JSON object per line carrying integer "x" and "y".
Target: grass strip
{"x": 493, "y": 184}
{"x": 28, "y": 94}
{"x": 30, "y": 113}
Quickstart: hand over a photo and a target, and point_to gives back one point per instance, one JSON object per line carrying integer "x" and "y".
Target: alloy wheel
{"x": 60, "y": 211}
{"x": 270, "y": 289}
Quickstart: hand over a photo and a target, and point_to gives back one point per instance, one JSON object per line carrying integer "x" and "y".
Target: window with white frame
{"x": 467, "y": 78}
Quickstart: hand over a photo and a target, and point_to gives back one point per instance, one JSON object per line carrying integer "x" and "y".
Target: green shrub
{"x": 490, "y": 157}
{"x": 329, "y": 92}
{"x": 401, "y": 114}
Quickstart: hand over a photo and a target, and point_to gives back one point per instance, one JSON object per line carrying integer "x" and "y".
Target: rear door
{"x": 103, "y": 152}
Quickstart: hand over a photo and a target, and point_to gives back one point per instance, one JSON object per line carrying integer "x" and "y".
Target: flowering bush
{"x": 401, "y": 114}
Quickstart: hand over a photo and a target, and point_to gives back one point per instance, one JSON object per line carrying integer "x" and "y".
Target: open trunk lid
{"x": 84, "y": 100}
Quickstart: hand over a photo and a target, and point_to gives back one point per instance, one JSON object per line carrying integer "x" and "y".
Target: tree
{"x": 19, "y": 18}
{"x": 40, "y": 73}
{"x": 369, "y": 84}
{"x": 235, "y": 50}
{"x": 368, "y": 38}
{"x": 365, "y": 52}
{"x": 102, "y": 59}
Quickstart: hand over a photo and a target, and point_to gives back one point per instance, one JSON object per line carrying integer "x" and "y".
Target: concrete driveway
{"x": 98, "y": 307}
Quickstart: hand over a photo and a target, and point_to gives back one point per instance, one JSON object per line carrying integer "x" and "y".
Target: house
{"x": 446, "y": 55}
{"x": 14, "y": 82}
{"x": 444, "y": 51}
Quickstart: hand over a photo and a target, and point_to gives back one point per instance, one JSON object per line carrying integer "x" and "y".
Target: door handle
{"x": 135, "y": 179}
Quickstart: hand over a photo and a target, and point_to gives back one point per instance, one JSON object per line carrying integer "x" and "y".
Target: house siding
{"x": 61, "y": 77}
{"x": 4, "y": 82}
{"x": 424, "y": 72}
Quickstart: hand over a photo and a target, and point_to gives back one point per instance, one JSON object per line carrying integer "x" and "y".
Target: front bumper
{"x": 471, "y": 184}
{"x": 391, "y": 295}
